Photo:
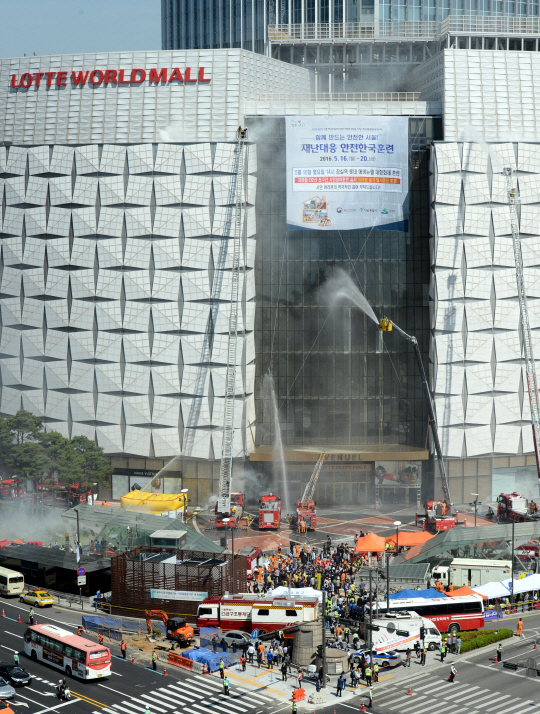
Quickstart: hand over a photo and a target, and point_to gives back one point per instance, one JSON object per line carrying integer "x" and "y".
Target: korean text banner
{"x": 347, "y": 172}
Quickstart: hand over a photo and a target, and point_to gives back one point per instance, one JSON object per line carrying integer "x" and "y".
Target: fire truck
{"x": 437, "y": 518}
{"x": 10, "y": 488}
{"x": 269, "y": 511}
{"x": 250, "y": 612}
{"x": 237, "y": 508}
{"x": 305, "y": 506}
{"x": 513, "y": 507}
{"x": 252, "y": 554}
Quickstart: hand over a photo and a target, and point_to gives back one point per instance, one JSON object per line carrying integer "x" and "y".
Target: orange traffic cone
{"x": 132, "y": 659}
{"x": 19, "y": 620}
{"x": 164, "y": 672}
{"x": 363, "y": 708}
{"x": 410, "y": 690}
{"x": 3, "y": 613}
{"x": 535, "y": 645}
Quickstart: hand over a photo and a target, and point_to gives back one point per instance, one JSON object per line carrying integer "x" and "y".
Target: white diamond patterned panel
{"x": 480, "y": 384}
{"x": 140, "y": 273}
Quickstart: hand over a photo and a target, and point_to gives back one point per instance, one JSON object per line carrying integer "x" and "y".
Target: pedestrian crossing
{"x": 431, "y": 689}
{"x": 196, "y": 695}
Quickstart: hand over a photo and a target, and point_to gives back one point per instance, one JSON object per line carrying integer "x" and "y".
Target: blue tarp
{"x": 416, "y": 593}
{"x": 211, "y": 660}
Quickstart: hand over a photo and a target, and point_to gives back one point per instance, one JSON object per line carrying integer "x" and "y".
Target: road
{"x": 482, "y": 687}
{"x": 129, "y": 690}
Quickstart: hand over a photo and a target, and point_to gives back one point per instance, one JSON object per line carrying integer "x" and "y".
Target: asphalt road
{"x": 129, "y": 689}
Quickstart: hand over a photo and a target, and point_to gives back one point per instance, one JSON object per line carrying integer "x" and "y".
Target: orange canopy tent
{"x": 370, "y": 543}
{"x": 459, "y": 592}
{"x": 406, "y": 538}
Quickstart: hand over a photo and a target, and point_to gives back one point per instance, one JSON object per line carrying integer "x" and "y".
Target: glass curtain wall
{"x": 336, "y": 382}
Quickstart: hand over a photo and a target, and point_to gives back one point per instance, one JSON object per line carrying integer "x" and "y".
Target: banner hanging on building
{"x": 347, "y": 172}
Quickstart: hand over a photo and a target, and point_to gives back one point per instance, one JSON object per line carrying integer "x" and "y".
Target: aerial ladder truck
{"x": 231, "y": 505}
{"x": 507, "y": 507}
{"x": 439, "y": 514}
{"x": 305, "y": 507}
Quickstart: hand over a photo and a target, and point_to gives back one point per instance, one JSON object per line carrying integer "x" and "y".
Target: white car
{"x": 235, "y": 637}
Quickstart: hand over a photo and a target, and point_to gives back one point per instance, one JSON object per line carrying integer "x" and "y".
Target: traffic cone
{"x": 3, "y": 613}
{"x": 363, "y": 708}
{"x": 164, "y": 672}
{"x": 535, "y": 645}
{"x": 410, "y": 690}
{"x": 19, "y": 620}
{"x": 132, "y": 659}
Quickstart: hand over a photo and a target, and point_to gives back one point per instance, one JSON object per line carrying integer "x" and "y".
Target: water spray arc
{"x": 270, "y": 403}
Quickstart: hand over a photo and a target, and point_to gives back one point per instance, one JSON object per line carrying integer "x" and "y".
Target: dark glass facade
{"x": 336, "y": 382}
{"x": 214, "y": 24}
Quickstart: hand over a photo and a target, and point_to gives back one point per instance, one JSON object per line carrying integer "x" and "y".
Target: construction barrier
{"x": 185, "y": 663}
{"x": 298, "y": 695}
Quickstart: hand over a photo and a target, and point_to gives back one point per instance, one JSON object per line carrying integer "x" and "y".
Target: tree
{"x": 28, "y": 460}
{"x": 25, "y": 426}
{"x": 91, "y": 464}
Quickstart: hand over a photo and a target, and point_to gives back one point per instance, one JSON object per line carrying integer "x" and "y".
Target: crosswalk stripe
{"x": 136, "y": 707}
{"x": 233, "y": 706}
{"x": 209, "y": 685}
{"x": 168, "y": 698}
{"x": 190, "y": 690}
{"x": 176, "y": 695}
{"x": 482, "y": 694}
{"x": 123, "y": 709}
{"x": 419, "y": 700}
{"x": 223, "y": 708}
{"x": 257, "y": 696}
{"x": 429, "y": 709}
{"x": 206, "y": 680}
{"x": 158, "y": 701}
{"x": 518, "y": 706}
{"x": 145, "y": 704}
{"x": 188, "y": 696}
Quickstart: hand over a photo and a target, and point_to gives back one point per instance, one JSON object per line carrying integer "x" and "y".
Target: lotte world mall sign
{"x": 95, "y": 77}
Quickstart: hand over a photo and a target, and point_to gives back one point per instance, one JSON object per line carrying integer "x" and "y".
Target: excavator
{"x": 177, "y": 630}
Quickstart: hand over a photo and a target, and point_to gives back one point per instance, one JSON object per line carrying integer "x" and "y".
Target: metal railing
{"x": 343, "y": 97}
{"x": 403, "y": 29}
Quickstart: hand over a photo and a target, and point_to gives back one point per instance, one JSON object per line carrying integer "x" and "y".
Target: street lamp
{"x": 475, "y": 503}
{"x": 226, "y": 521}
{"x": 397, "y": 525}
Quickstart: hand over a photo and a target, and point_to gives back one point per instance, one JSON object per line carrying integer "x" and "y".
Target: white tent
{"x": 492, "y": 590}
{"x": 283, "y": 591}
{"x": 523, "y": 585}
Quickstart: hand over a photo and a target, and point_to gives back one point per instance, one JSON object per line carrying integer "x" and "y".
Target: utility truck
{"x": 472, "y": 571}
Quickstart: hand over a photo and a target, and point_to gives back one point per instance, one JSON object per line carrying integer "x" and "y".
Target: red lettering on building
{"x": 155, "y": 77}
{"x": 110, "y": 76}
{"x": 79, "y": 77}
{"x": 135, "y": 79}
{"x": 93, "y": 74}
{"x": 176, "y": 74}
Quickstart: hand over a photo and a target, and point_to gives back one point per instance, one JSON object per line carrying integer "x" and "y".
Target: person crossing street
{"x": 226, "y": 686}
{"x": 16, "y": 658}
{"x": 370, "y": 697}
{"x": 453, "y": 673}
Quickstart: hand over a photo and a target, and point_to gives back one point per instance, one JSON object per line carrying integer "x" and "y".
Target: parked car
{"x": 235, "y": 637}
{"x": 39, "y": 598}
{"x": 15, "y": 674}
{"x": 6, "y": 690}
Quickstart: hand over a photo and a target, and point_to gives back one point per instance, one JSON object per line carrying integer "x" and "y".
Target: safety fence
{"x": 114, "y": 628}
{"x": 512, "y": 609}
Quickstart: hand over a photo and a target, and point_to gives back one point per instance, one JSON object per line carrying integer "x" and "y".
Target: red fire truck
{"x": 513, "y": 507}
{"x": 269, "y": 511}
{"x": 237, "y": 508}
{"x": 437, "y": 517}
{"x": 255, "y": 612}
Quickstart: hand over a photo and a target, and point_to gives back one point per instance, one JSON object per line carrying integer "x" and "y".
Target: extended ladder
{"x": 310, "y": 486}
{"x": 513, "y": 201}
{"x": 225, "y": 471}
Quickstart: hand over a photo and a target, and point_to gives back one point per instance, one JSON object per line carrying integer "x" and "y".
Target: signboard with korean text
{"x": 192, "y": 596}
{"x": 347, "y": 172}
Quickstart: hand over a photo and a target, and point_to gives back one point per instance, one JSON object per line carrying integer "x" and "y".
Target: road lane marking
{"x": 189, "y": 691}
{"x": 8, "y": 648}
{"x": 123, "y": 694}
{"x": 158, "y": 701}
{"x": 145, "y": 704}
{"x": 57, "y": 706}
{"x": 12, "y": 633}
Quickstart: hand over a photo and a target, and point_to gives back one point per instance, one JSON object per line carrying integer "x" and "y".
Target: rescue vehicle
{"x": 269, "y": 511}
{"x": 437, "y": 517}
{"x": 513, "y": 507}
{"x": 250, "y": 612}
{"x": 237, "y": 508}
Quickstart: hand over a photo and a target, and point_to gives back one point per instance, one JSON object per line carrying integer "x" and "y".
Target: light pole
{"x": 475, "y": 503}
{"x": 397, "y": 525}
{"x": 184, "y": 491}
{"x": 226, "y": 521}
{"x": 512, "y": 573}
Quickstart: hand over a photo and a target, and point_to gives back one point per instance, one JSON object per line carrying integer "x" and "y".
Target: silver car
{"x": 6, "y": 690}
{"x": 235, "y": 637}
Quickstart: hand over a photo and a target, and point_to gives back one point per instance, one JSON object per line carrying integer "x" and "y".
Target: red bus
{"x": 449, "y": 614}
{"x": 72, "y": 654}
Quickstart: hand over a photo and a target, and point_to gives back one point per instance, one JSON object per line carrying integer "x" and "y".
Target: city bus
{"x": 11, "y": 583}
{"x": 449, "y": 614}
{"x": 72, "y": 654}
